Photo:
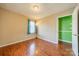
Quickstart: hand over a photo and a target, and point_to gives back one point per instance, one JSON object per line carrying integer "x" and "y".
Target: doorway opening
{"x": 65, "y": 33}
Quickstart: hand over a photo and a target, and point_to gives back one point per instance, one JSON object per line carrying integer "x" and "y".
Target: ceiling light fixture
{"x": 36, "y": 17}
{"x": 36, "y": 8}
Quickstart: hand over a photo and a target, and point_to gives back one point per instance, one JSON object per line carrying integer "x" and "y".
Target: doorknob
{"x": 75, "y": 34}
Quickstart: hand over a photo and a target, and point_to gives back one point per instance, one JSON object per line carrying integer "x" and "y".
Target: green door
{"x": 65, "y": 29}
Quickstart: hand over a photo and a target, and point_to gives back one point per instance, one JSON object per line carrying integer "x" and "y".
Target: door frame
{"x": 58, "y": 24}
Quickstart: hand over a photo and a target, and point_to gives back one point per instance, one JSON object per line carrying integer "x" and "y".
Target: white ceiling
{"x": 45, "y": 8}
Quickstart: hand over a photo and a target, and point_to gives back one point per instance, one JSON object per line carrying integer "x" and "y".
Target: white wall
{"x": 47, "y": 29}
{"x": 75, "y": 31}
{"x": 13, "y": 27}
{"x": 48, "y": 26}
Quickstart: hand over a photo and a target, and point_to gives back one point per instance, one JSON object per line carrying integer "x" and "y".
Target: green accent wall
{"x": 65, "y": 28}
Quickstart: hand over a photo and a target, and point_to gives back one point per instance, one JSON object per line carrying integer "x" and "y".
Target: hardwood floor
{"x": 35, "y": 47}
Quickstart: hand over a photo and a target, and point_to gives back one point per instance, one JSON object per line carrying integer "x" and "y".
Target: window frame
{"x": 29, "y": 26}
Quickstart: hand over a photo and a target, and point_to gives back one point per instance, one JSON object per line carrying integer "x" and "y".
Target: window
{"x": 31, "y": 27}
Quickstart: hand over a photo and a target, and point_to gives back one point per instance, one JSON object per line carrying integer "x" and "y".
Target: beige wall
{"x": 48, "y": 26}
{"x": 13, "y": 27}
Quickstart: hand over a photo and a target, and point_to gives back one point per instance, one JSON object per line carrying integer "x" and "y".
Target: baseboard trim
{"x": 73, "y": 53}
{"x": 25, "y": 39}
{"x": 65, "y": 41}
{"x": 47, "y": 40}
